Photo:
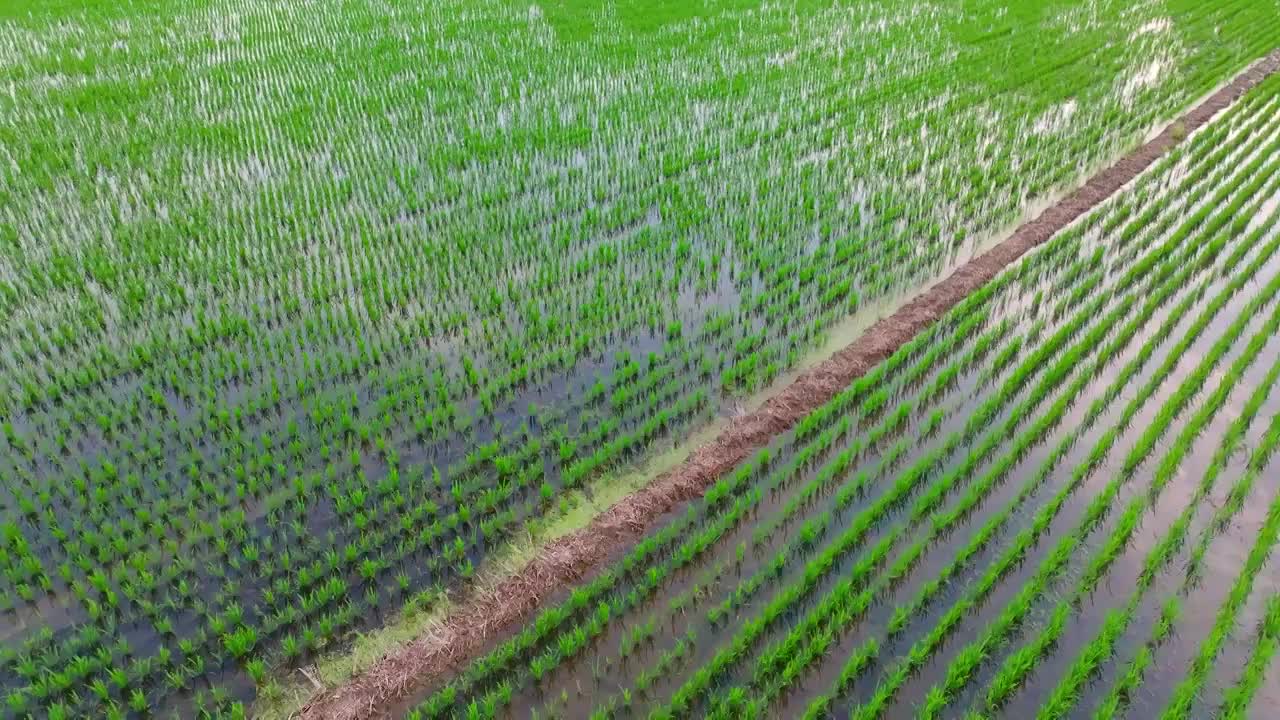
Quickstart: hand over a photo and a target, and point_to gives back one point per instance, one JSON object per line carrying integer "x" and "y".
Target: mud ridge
{"x": 481, "y": 616}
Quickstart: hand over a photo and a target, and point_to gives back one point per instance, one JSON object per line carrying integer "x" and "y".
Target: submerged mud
{"x": 483, "y": 615}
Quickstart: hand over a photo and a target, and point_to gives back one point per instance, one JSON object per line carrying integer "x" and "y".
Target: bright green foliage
{"x": 1010, "y": 492}
{"x": 305, "y": 307}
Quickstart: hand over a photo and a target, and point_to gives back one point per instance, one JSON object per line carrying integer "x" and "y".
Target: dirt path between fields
{"x": 483, "y": 615}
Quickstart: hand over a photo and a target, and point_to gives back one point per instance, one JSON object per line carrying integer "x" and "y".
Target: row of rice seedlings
{"x": 1134, "y": 672}
{"x": 1018, "y": 665}
{"x": 1245, "y": 494}
{"x": 821, "y": 484}
{"x": 1095, "y": 412}
{"x": 1185, "y": 694}
{"x": 1099, "y": 648}
{"x": 967, "y": 659}
{"x": 942, "y": 521}
{"x": 815, "y": 570}
{"x": 1238, "y": 698}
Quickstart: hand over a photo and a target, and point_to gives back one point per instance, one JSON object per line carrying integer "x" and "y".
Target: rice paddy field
{"x": 308, "y": 309}
{"x": 1061, "y": 501}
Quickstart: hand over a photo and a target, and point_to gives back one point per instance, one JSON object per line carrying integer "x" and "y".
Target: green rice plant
{"x": 1137, "y": 667}
{"x": 1237, "y": 699}
{"x": 1186, "y": 692}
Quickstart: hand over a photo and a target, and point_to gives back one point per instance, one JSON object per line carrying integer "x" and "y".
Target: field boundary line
{"x": 483, "y": 615}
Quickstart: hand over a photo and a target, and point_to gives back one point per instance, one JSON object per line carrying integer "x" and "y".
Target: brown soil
{"x": 484, "y": 615}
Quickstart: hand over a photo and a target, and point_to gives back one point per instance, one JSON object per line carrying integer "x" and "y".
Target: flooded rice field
{"x": 1060, "y": 501}
{"x": 308, "y": 310}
